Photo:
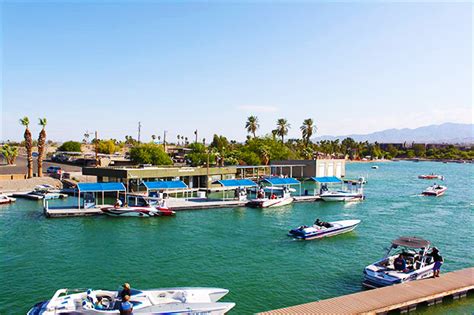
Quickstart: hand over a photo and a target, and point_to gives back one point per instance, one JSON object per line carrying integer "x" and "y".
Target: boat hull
{"x": 270, "y": 203}
{"x": 342, "y": 197}
{"x": 434, "y": 192}
{"x": 338, "y": 227}
{"x": 131, "y": 212}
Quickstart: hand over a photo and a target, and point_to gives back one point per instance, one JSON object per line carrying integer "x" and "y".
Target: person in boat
{"x": 317, "y": 222}
{"x": 125, "y": 291}
{"x": 99, "y": 304}
{"x": 118, "y": 203}
{"x": 126, "y": 308}
{"x": 438, "y": 261}
{"x": 273, "y": 196}
{"x": 400, "y": 263}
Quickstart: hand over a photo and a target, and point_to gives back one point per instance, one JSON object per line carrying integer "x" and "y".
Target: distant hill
{"x": 444, "y": 133}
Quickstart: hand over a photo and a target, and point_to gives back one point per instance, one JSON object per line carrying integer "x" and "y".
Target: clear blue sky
{"x": 181, "y": 66}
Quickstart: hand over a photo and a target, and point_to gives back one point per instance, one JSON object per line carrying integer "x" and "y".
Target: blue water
{"x": 244, "y": 250}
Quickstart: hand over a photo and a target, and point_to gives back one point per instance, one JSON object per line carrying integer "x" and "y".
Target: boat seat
{"x": 91, "y": 296}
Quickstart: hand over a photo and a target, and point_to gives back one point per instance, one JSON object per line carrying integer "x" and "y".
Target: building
{"x": 310, "y": 168}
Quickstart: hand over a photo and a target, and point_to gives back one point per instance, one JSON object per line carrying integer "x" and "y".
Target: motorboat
{"x": 375, "y": 167}
{"x": 323, "y": 229}
{"x": 262, "y": 201}
{"x": 47, "y": 192}
{"x": 341, "y": 195}
{"x": 418, "y": 260}
{"x": 135, "y": 205}
{"x": 431, "y": 176}
{"x": 270, "y": 189}
{"x": 435, "y": 190}
{"x": 4, "y": 199}
{"x": 157, "y": 301}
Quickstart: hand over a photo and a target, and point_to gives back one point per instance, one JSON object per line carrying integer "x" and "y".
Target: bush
{"x": 149, "y": 153}
{"x": 70, "y": 146}
{"x": 107, "y": 147}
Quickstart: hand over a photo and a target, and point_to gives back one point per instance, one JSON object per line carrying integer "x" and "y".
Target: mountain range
{"x": 444, "y": 133}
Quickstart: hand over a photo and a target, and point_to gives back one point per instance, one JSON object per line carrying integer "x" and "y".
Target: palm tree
{"x": 307, "y": 130}
{"x": 179, "y": 137}
{"x": 252, "y": 125}
{"x": 41, "y": 145}
{"x": 25, "y": 121}
{"x": 282, "y": 128}
{"x": 264, "y": 154}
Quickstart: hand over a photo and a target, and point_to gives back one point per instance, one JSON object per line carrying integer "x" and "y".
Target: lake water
{"x": 244, "y": 250}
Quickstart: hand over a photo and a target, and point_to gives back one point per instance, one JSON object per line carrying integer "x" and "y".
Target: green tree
{"x": 419, "y": 149}
{"x": 282, "y": 128}
{"x": 392, "y": 150}
{"x": 307, "y": 130}
{"x": 41, "y": 145}
{"x": 107, "y": 146}
{"x": 10, "y": 153}
{"x": 252, "y": 125}
{"x": 199, "y": 154}
{"x": 149, "y": 153}
{"x": 70, "y": 146}
{"x": 25, "y": 121}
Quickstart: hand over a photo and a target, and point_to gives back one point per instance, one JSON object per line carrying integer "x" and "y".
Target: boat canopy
{"x": 326, "y": 179}
{"x": 412, "y": 242}
{"x": 100, "y": 187}
{"x": 279, "y": 181}
{"x": 235, "y": 183}
{"x": 164, "y": 185}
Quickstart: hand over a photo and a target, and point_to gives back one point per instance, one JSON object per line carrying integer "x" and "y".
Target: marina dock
{"x": 402, "y": 297}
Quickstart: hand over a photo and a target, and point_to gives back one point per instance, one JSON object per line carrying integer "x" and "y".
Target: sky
{"x": 354, "y": 67}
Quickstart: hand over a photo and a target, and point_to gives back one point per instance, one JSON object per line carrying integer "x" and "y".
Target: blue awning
{"x": 278, "y": 181}
{"x": 327, "y": 179}
{"x": 235, "y": 183}
{"x": 98, "y": 187}
{"x": 164, "y": 185}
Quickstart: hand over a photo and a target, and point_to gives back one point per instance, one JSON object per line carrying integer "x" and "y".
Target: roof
{"x": 411, "y": 241}
{"x": 326, "y": 179}
{"x": 236, "y": 182}
{"x": 275, "y": 181}
{"x": 94, "y": 187}
{"x": 172, "y": 184}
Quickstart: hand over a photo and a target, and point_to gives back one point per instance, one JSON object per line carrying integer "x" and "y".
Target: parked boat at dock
{"x": 272, "y": 201}
{"x": 323, "y": 229}
{"x": 4, "y": 199}
{"x": 157, "y": 301}
{"x": 418, "y": 260}
{"x": 434, "y": 190}
{"x": 341, "y": 195}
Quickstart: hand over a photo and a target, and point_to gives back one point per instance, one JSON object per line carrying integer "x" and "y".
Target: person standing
{"x": 438, "y": 261}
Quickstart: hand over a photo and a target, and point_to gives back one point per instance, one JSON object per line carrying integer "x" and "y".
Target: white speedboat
{"x": 47, "y": 192}
{"x": 4, "y": 199}
{"x": 323, "y": 229}
{"x": 418, "y": 263}
{"x": 435, "y": 190}
{"x": 272, "y": 189}
{"x": 272, "y": 201}
{"x": 375, "y": 167}
{"x": 159, "y": 301}
{"x": 146, "y": 211}
{"x": 341, "y": 195}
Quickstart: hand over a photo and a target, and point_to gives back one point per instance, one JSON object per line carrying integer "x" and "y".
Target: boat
{"x": 271, "y": 189}
{"x": 419, "y": 263}
{"x": 137, "y": 205}
{"x": 273, "y": 201}
{"x": 47, "y": 192}
{"x": 4, "y": 199}
{"x": 435, "y": 190}
{"x": 431, "y": 176}
{"x": 323, "y": 229}
{"x": 129, "y": 211}
{"x": 341, "y": 195}
{"x": 157, "y": 301}
{"x": 375, "y": 167}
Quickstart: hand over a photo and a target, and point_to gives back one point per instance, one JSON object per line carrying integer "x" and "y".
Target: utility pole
{"x": 139, "y": 130}
{"x": 196, "y": 133}
{"x": 164, "y": 139}
{"x": 207, "y": 169}
{"x": 96, "y": 149}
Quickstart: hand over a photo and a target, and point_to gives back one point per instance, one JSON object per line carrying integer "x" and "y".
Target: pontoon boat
{"x": 418, "y": 263}
{"x": 159, "y": 301}
{"x": 435, "y": 190}
{"x": 323, "y": 229}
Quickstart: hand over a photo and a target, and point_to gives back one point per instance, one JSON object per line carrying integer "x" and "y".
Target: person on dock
{"x": 400, "y": 264}
{"x": 438, "y": 261}
{"x": 126, "y": 308}
{"x": 126, "y": 291}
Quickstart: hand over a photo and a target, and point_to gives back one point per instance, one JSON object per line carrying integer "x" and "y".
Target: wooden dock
{"x": 403, "y": 297}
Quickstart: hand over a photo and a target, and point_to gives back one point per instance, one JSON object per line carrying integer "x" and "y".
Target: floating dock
{"x": 72, "y": 212}
{"x": 402, "y": 297}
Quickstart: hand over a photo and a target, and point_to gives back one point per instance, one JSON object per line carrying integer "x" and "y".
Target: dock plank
{"x": 388, "y": 298}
